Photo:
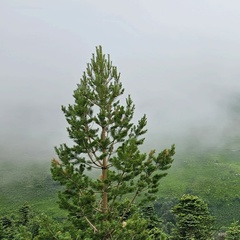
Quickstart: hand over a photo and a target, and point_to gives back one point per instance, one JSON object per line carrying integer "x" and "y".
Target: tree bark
{"x": 104, "y": 176}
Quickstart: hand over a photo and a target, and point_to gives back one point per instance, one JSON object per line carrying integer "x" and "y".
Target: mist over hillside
{"x": 180, "y": 67}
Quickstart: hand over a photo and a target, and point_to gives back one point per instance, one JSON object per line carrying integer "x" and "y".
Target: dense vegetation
{"x": 199, "y": 198}
{"x": 192, "y": 172}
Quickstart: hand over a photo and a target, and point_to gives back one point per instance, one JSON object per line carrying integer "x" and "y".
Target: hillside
{"x": 213, "y": 174}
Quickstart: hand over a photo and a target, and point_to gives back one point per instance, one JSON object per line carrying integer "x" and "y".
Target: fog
{"x": 178, "y": 60}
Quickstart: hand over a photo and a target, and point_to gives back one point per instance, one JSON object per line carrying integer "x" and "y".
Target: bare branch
{"x": 94, "y": 228}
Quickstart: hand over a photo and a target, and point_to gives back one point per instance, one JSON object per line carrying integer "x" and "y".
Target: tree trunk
{"x": 104, "y": 176}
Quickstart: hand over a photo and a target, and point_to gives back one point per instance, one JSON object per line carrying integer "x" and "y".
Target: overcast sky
{"x": 179, "y": 60}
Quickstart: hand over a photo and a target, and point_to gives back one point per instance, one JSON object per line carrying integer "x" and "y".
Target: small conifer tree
{"x": 233, "y": 232}
{"x": 193, "y": 219}
{"x": 104, "y": 174}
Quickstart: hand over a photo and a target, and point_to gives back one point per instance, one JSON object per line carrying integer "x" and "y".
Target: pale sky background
{"x": 179, "y": 60}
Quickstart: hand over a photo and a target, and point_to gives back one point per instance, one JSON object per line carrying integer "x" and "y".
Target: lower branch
{"x": 94, "y": 228}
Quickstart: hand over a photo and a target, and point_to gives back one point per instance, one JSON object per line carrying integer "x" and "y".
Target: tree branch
{"x": 94, "y": 228}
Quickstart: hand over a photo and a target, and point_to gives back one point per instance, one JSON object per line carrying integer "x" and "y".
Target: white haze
{"x": 178, "y": 60}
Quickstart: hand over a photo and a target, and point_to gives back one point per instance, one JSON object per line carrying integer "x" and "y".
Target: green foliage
{"x": 137, "y": 228}
{"x": 28, "y": 225}
{"x": 193, "y": 220}
{"x": 105, "y": 143}
{"x": 19, "y": 226}
{"x": 52, "y": 229}
{"x": 163, "y": 208}
{"x": 233, "y": 232}
{"x": 155, "y": 224}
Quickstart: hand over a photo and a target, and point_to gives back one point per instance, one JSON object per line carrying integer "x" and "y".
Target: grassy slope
{"x": 29, "y": 183}
{"x": 214, "y": 175}
{"x": 210, "y": 175}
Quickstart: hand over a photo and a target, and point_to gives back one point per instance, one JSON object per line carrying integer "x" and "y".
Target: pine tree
{"x": 233, "y": 232}
{"x": 104, "y": 174}
{"x": 193, "y": 219}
